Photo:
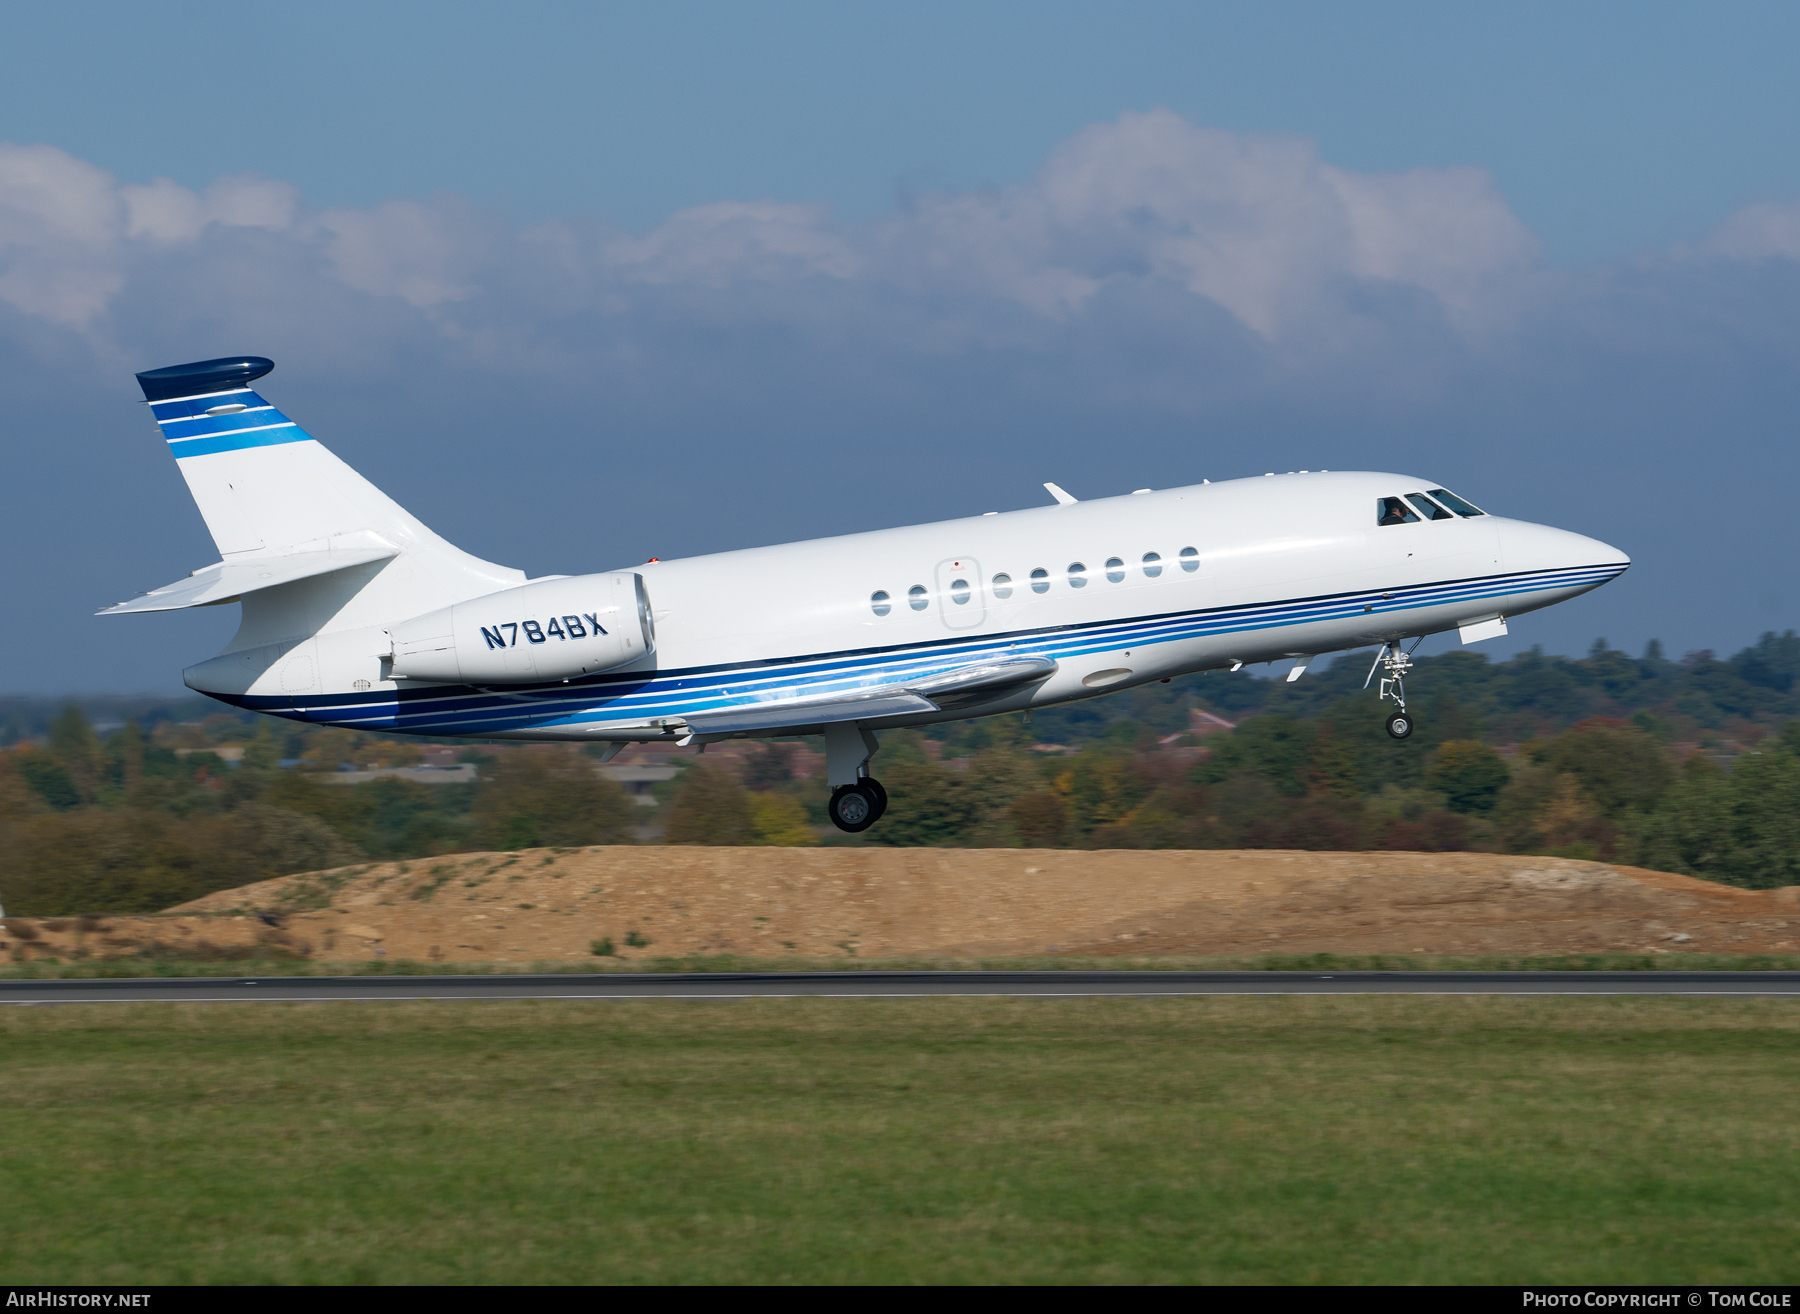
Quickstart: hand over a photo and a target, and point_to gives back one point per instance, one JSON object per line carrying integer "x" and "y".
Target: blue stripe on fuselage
{"x": 671, "y": 695}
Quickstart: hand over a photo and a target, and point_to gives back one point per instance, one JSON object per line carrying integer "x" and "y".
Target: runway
{"x": 888, "y": 985}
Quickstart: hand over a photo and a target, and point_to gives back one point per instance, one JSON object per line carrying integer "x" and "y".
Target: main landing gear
{"x": 856, "y": 807}
{"x": 857, "y": 798}
{"x": 1395, "y": 663}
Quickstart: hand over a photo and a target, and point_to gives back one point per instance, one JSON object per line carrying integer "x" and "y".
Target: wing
{"x": 980, "y": 682}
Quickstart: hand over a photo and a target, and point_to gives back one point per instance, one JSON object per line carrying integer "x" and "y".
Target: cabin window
{"x": 1115, "y": 571}
{"x": 959, "y": 592}
{"x": 1003, "y": 586}
{"x": 1077, "y": 575}
{"x": 1152, "y": 565}
{"x": 916, "y": 599}
{"x": 1040, "y": 580}
{"x": 1393, "y": 511}
{"x": 1427, "y": 508}
{"x": 1190, "y": 559}
{"x": 1456, "y": 503}
{"x": 879, "y": 604}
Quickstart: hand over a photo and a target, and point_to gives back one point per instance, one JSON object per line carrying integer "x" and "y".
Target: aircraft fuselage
{"x": 1132, "y": 589}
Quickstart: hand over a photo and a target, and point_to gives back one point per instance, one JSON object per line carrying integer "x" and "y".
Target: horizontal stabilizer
{"x": 227, "y": 581}
{"x": 928, "y": 694}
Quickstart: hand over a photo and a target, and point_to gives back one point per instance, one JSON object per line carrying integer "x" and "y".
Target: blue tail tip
{"x": 203, "y": 376}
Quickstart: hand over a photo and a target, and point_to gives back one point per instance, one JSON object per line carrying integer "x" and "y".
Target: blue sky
{"x": 581, "y": 284}
{"x": 1608, "y": 126}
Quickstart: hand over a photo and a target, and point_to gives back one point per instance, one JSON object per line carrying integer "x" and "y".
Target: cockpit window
{"x": 1427, "y": 508}
{"x": 1393, "y": 511}
{"x": 1455, "y": 503}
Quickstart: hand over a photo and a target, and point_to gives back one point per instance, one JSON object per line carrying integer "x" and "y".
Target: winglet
{"x": 1062, "y": 498}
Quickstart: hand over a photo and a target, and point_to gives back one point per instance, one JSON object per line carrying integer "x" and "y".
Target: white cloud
{"x": 1757, "y": 232}
{"x": 60, "y": 223}
{"x": 66, "y": 227}
{"x": 1188, "y": 261}
{"x": 717, "y": 245}
{"x": 1446, "y": 231}
{"x": 424, "y": 253}
{"x": 1256, "y": 224}
{"x": 165, "y": 211}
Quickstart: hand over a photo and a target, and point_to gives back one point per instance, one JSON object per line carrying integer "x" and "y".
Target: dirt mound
{"x": 875, "y": 903}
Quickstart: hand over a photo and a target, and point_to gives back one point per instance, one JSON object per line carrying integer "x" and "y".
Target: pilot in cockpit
{"x": 1393, "y": 512}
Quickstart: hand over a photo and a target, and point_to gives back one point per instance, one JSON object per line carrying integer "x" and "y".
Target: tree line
{"x": 1690, "y": 766}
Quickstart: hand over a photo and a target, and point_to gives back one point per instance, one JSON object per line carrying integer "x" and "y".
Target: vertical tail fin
{"x": 268, "y": 490}
{"x": 262, "y": 482}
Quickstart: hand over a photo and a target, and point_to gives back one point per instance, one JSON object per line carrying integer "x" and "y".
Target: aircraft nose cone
{"x": 1541, "y": 547}
{"x": 1596, "y": 553}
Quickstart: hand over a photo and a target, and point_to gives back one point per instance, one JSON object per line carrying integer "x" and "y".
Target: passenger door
{"x": 959, "y": 592}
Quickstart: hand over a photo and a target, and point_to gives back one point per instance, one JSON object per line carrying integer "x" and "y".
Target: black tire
{"x": 1400, "y": 726}
{"x": 876, "y": 788}
{"x": 852, "y": 808}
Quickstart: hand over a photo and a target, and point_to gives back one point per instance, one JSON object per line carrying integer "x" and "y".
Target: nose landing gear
{"x": 1396, "y": 663}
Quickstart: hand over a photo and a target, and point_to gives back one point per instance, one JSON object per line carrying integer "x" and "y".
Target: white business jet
{"x": 355, "y": 614}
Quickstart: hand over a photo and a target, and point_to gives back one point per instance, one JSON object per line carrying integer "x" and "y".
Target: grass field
{"x": 1371, "y": 1139}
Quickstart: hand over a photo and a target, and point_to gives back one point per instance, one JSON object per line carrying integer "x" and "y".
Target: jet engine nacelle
{"x": 555, "y": 629}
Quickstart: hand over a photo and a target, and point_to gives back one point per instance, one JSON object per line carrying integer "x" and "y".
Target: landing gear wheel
{"x": 875, "y": 787}
{"x": 852, "y": 808}
{"x": 1400, "y": 725}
